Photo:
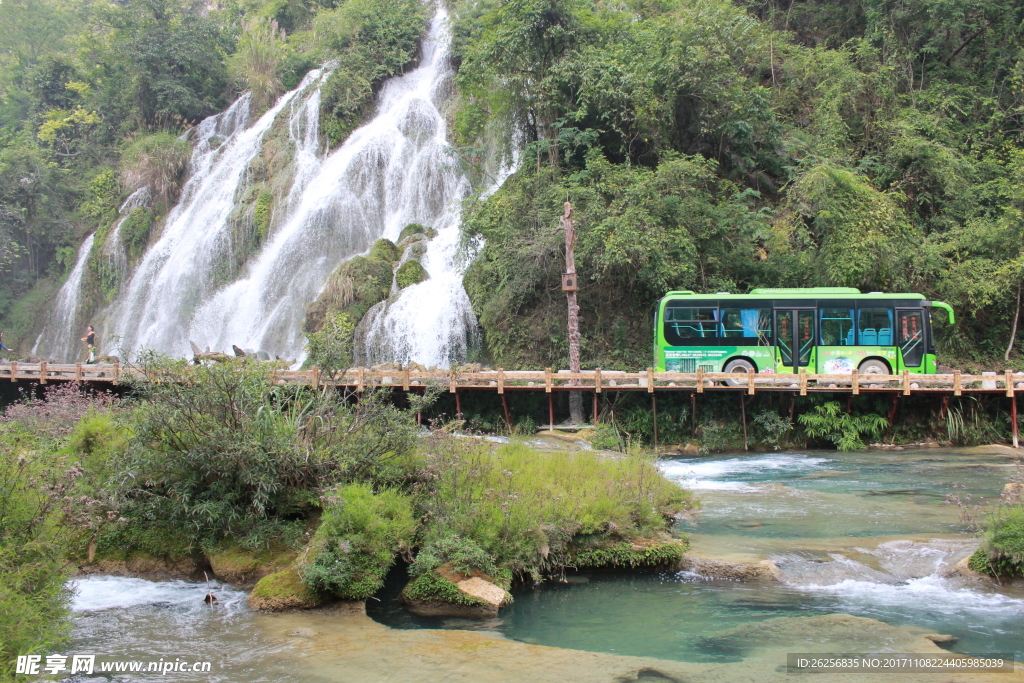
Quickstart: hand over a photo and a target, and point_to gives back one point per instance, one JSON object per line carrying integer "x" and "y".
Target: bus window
{"x": 752, "y": 323}
{"x": 685, "y": 324}
{"x": 837, "y": 327}
{"x": 874, "y": 327}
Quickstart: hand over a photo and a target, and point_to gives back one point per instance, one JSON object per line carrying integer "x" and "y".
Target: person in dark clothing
{"x": 90, "y": 341}
{"x": 2, "y": 346}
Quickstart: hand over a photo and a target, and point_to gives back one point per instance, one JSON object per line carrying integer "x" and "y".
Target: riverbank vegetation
{"x": 203, "y": 466}
{"x": 1002, "y": 529}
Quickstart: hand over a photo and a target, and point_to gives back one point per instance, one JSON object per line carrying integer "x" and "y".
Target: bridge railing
{"x": 549, "y": 380}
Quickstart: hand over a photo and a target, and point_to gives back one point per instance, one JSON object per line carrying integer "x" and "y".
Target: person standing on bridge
{"x": 90, "y": 341}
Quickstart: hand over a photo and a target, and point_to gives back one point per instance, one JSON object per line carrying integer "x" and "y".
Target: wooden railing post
{"x": 906, "y": 382}
{"x": 14, "y": 371}
{"x": 957, "y": 388}
{"x": 751, "y": 376}
{"x": 700, "y": 380}
{"x": 359, "y": 378}
{"x": 78, "y": 372}
{"x": 1009, "y": 383}
{"x": 803, "y": 382}
{"x": 501, "y": 381}
{"x": 547, "y": 381}
{"x": 856, "y": 381}
{"x": 314, "y": 377}
{"x": 42, "y": 372}
{"x": 405, "y": 378}
{"x": 597, "y": 380}
{"x": 650, "y": 380}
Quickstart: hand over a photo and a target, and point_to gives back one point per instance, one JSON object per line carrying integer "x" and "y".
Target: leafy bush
{"x": 135, "y": 231}
{"x": 33, "y": 539}
{"x": 1002, "y": 550}
{"x": 221, "y": 451}
{"x": 830, "y": 422}
{"x": 359, "y": 535}
{"x": 259, "y": 62}
{"x": 770, "y": 427}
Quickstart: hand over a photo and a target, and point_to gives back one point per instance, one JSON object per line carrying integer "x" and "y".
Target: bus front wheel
{"x": 739, "y": 365}
{"x": 873, "y": 367}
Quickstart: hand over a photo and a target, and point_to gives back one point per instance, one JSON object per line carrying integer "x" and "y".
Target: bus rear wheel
{"x": 873, "y": 367}
{"x": 739, "y": 365}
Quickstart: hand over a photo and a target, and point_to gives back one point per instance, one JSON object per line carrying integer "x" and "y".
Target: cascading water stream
{"x": 395, "y": 170}
{"x": 180, "y": 271}
{"x": 57, "y": 340}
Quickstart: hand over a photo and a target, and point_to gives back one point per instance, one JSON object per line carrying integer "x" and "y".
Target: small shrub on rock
{"x": 357, "y": 541}
{"x": 410, "y": 273}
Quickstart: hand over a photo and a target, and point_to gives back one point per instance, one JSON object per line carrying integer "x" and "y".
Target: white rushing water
{"x": 395, "y": 170}
{"x": 58, "y": 340}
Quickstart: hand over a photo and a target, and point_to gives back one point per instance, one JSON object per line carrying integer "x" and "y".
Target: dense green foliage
{"x": 523, "y": 507}
{"x": 360, "y": 533}
{"x": 722, "y": 146}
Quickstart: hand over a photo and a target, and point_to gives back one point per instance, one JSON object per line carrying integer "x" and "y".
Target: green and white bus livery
{"x": 822, "y": 330}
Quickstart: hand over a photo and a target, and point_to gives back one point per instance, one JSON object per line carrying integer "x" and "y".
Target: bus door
{"x": 794, "y": 337}
{"x": 910, "y": 335}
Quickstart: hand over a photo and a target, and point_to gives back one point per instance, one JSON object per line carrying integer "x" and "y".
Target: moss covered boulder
{"x": 384, "y": 250}
{"x": 284, "y": 591}
{"x": 352, "y": 289}
{"x": 410, "y": 273}
{"x": 448, "y": 592}
{"x": 243, "y": 568}
{"x": 415, "y": 229}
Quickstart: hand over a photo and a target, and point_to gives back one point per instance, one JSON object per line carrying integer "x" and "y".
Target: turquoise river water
{"x": 865, "y": 534}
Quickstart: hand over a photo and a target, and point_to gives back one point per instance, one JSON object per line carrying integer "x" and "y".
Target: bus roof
{"x": 797, "y": 293}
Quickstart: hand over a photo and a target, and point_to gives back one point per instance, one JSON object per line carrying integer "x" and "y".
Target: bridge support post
{"x": 595, "y": 409}
{"x": 458, "y": 406}
{"x": 743, "y": 418}
{"x": 551, "y": 414}
{"x": 654, "y": 411}
{"x": 508, "y": 418}
{"x": 1013, "y": 419}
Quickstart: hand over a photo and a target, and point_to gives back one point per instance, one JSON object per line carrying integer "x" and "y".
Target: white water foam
{"x": 728, "y": 474}
{"x": 96, "y": 593}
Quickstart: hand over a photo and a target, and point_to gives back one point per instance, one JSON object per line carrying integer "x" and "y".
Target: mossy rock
{"x": 606, "y": 553}
{"x": 135, "y": 231}
{"x": 416, "y": 229}
{"x": 437, "y": 593}
{"x": 283, "y": 591}
{"x": 410, "y": 273}
{"x": 384, "y": 250}
{"x": 241, "y": 567}
{"x": 352, "y": 289}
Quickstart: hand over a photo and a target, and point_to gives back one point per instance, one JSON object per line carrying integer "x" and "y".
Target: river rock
{"x": 474, "y": 595}
{"x": 243, "y": 568}
{"x": 941, "y": 639}
{"x": 283, "y": 591}
{"x": 764, "y": 570}
{"x": 1014, "y": 492}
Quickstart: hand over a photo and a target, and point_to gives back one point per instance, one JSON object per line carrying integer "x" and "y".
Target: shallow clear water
{"x": 868, "y": 534}
{"x": 123, "y": 619}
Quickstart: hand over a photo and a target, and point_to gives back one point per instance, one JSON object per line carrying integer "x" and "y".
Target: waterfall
{"x": 396, "y": 169}
{"x": 180, "y": 271}
{"x": 58, "y": 338}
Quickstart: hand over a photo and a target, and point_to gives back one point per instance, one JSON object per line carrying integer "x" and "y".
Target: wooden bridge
{"x": 596, "y": 382}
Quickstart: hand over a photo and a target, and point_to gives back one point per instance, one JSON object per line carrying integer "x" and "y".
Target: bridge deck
{"x": 956, "y": 384}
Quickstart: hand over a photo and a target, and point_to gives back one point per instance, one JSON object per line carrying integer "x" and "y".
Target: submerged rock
{"x": 283, "y": 591}
{"x": 764, "y": 570}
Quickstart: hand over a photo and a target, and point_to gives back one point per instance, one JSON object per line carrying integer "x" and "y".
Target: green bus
{"x": 821, "y": 330}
